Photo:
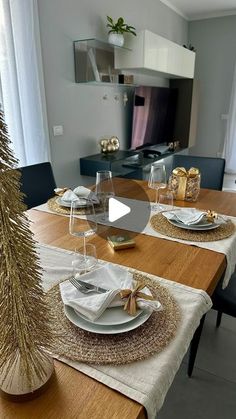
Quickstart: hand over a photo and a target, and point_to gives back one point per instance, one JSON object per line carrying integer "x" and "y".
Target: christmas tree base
{"x": 16, "y": 390}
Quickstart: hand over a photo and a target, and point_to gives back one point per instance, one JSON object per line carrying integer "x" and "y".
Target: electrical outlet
{"x": 58, "y": 130}
{"x": 224, "y": 116}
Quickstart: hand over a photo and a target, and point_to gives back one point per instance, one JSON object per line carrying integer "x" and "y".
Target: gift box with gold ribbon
{"x": 185, "y": 184}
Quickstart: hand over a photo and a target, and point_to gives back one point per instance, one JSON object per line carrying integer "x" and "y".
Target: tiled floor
{"x": 211, "y": 392}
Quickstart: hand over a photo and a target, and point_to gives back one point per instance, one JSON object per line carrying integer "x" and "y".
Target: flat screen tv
{"x": 153, "y": 116}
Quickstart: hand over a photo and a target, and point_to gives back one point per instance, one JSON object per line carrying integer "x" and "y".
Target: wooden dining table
{"x": 72, "y": 394}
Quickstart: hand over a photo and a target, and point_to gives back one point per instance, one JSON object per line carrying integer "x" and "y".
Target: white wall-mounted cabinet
{"x": 152, "y": 52}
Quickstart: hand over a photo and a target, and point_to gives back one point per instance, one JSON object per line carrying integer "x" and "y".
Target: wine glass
{"x": 104, "y": 189}
{"x": 83, "y": 262}
{"x": 157, "y": 181}
{"x": 166, "y": 201}
{"x": 83, "y": 224}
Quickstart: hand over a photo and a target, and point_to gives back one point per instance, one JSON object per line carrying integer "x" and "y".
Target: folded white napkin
{"x": 69, "y": 196}
{"x": 113, "y": 278}
{"x": 79, "y": 192}
{"x": 186, "y": 216}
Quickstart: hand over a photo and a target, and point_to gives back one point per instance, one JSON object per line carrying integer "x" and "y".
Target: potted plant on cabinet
{"x": 117, "y": 29}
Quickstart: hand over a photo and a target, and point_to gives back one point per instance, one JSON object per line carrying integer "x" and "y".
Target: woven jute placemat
{"x": 153, "y": 336}
{"x": 160, "y": 224}
{"x": 54, "y": 206}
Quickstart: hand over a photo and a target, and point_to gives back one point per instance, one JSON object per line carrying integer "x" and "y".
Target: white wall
{"x": 81, "y": 110}
{"x": 214, "y": 40}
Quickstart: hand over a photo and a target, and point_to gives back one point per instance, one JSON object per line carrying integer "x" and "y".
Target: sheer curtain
{"x": 230, "y": 137}
{"x": 22, "y": 80}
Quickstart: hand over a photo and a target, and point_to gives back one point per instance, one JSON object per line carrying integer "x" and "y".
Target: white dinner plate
{"x": 77, "y": 320}
{"x": 198, "y": 227}
{"x": 112, "y": 316}
{"x": 67, "y": 204}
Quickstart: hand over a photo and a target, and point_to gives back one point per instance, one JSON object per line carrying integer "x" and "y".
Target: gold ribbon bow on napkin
{"x": 211, "y": 215}
{"x": 60, "y": 191}
{"x": 184, "y": 175}
{"x": 132, "y": 295}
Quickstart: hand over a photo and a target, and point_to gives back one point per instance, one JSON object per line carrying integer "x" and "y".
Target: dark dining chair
{"x": 37, "y": 183}
{"x": 224, "y": 300}
{"x": 211, "y": 168}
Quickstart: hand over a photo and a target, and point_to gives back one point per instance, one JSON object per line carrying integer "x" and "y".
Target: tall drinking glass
{"x": 104, "y": 190}
{"x": 81, "y": 262}
{"x": 83, "y": 223}
{"x": 157, "y": 180}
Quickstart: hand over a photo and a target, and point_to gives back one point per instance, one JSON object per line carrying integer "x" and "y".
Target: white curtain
{"x": 22, "y": 80}
{"x": 230, "y": 137}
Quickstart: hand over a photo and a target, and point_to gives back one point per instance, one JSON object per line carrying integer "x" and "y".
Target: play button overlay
{"x": 117, "y": 210}
{"x": 130, "y": 213}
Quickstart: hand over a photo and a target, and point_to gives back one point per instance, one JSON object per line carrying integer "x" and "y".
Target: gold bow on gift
{"x": 184, "y": 175}
{"x": 132, "y": 295}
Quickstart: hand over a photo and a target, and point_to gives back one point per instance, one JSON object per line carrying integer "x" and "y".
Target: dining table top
{"x": 72, "y": 394}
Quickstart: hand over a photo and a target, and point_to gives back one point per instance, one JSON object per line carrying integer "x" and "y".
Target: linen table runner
{"x": 145, "y": 381}
{"x": 226, "y": 246}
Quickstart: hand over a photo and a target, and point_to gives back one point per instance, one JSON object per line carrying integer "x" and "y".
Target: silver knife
{"x": 90, "y": 286}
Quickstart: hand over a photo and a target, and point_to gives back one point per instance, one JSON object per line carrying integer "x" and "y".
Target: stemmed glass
{"x": 83, "y": 224}
{"x": 104, "y": 189}
{"x": 166, "y": 201}
{"x": 157, "y": 181}
{"x": 81, "y": 262}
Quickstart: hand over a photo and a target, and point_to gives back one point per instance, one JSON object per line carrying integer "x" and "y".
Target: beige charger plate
{"x": 152, "y": 337}
{"x": 54, "y": 206}
{"x": 160, "y": 224}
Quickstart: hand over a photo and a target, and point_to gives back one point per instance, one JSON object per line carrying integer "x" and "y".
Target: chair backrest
{"x": 37, "y": 183}
{"x": 211, "y": 168}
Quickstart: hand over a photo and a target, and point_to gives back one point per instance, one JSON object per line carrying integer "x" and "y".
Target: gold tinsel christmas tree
{"x": 25, "y": 335}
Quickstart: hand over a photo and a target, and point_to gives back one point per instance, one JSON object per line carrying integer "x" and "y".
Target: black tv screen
{"x": 153, "y": 116}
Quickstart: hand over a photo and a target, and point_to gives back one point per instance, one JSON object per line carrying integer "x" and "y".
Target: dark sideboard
{"x": 127, "y": 164}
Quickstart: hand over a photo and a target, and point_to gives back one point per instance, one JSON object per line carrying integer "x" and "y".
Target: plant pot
{"x": 116, "y": 39}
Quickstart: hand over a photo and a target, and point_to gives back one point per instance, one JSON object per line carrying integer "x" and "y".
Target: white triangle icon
{"x": 117, "y": 209}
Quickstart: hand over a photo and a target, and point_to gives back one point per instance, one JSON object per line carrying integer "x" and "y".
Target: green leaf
{"x": 110, "y": 19}
{"x": 120, "y": 26}
{"x": 120, "y": 21}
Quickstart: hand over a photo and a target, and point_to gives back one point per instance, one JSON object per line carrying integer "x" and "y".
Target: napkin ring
{"x": 131, "y": 296}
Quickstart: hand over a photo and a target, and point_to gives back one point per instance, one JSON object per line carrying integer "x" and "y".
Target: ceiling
{"x": 202, "y": 9}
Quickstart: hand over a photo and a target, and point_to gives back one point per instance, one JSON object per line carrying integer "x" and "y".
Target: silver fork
{"x": 79, "y": 287}
{"x": 83, "y": 288}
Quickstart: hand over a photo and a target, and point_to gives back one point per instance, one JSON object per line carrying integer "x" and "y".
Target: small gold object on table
{"x": 120, "y": 242}
{"x": 109, "y": 145}
{"x": 185, "y": 184}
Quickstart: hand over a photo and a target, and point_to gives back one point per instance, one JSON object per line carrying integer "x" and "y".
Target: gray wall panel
{"x": 80, "y": 108}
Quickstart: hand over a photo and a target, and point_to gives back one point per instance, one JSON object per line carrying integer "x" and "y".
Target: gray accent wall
{"x": 81, "y": 109}
{"x": 215, "y": 42}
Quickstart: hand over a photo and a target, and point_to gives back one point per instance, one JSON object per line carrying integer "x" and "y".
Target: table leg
{"x": 194, "y": 346}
